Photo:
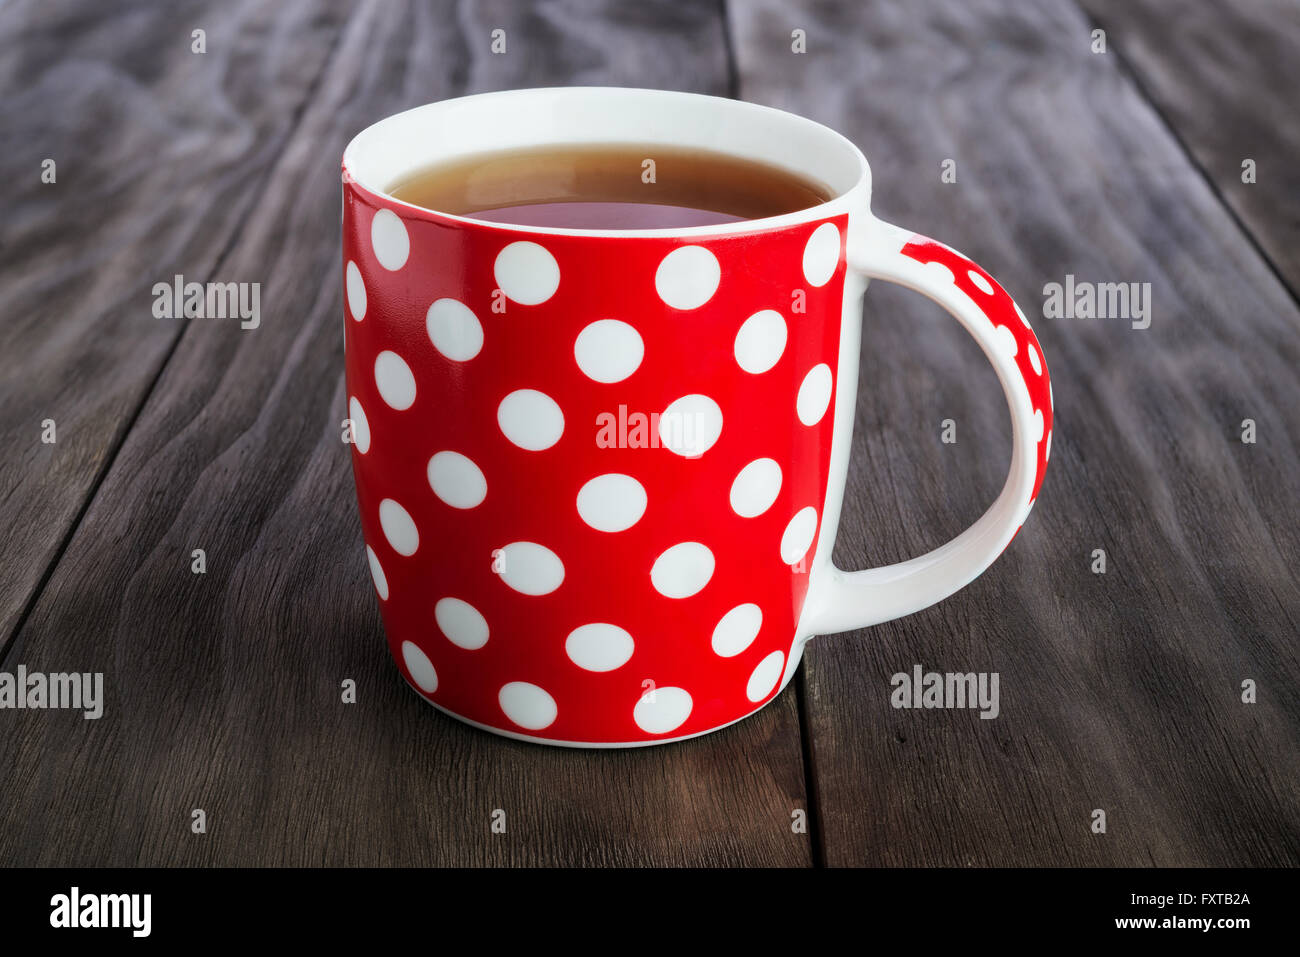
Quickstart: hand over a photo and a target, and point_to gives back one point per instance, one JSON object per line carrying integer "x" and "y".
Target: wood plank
{"x": 1226, "y": 80}
{"x": 1119, "y": 691}
{"x": 159, "y": 154}
{"x": 224, "y": 689}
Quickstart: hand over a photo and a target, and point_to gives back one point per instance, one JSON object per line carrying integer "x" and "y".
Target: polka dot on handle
{"x": 389, "y": 240}
{"x": 798, "y": 535}
{"x": 527, "y": 705}
{"x": 356, "y": 292}
{"x": 940, "y": 272}
{"x": 530, "y": 419}
{"x": 377, "y": 574}
{"x": 821, "y": 254}
{"x": 761, "y": 341}
{"x": 454, "y": 330}
{"x": 394, "y": 380}
{"x": 530, "y": 568}
{"x": 736, "y": 630}
{"x": 690, "y": 425}
{"x": 420, "y": 667}
{"x": 764, "y": 677}
{"x": 461, "y": 623}
{"x": 661, "y": 710}
{"x": 683, "y": 570}
{"x": 398, "y": 527}
{"x": 608, "y": 350}
{"x": 1034, "y": 361}
{"x": 814, "y": 394}
{"x": 755, "y": 488}
{"x": 360, "y": 426}
{"x": 599, "y": 647}
{"x": 1038, "y": 425}
{"x": 1047, "y": 449}
{"x": 456, "y": 480}
{"x": 980, "y": 282}
{"x": 612, "y": 503}
{"x": 527, "y": 273}
{"x": 688, "y": 277}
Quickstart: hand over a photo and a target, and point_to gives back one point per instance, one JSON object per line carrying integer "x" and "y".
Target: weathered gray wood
{"x": 159, "y": 154}
{"x": 1226, "y": 77}
{"x": 224, "y": 688}
{"x": 1119, "y": 691}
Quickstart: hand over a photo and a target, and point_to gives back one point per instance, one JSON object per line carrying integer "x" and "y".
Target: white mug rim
{"x": 360, "y": 169}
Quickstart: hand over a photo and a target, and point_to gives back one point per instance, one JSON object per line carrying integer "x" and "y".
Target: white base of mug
{"x": 796, "y": 655}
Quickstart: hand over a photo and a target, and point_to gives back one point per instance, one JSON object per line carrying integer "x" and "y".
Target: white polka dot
{"x": 1047, "y": 449}
{"x": 360, "y": 426}
{"x": 681, "y": 571}
{"x": 690, "y": 425}
{"x": 608, "y": 350}
{"x": 527, "y": 273}
{"x": 814, "y": 395}
{"x": 530, "y": 419}
{"x": 456, "y": 480}
{"x": 377, "y": 573}
{"x": 527, "y": 705}
{"x": 612, "y": 502}
{"x": 798, "y": 535}
{"x": 980, "y": 282}
{"x": 756, "y": 488}
{"x": 389, "y": 240}
{"x": 1051, "y": 399}
{"x": 454, "y": 330}
{"x": 736, "y": 630}
{"x": 461, "y": 623}
{"x": 821, "y": 254}
{"x": 530, "y": 568}
{"x": 940, "y": 272}
{"x": 1006, "y": 340}
{"x": 1021, "y": 315}
{"x": 761, "y": 341}
{"x": 420, "y": 667}
{"x": 765, "y": 677}
{"x": 599, "y": 647}
{"x": 356, "y": 292}
{"x": 395, "y": 381}
{"x": 399, "y": 527}
{"x": 1038, "y": 425}
{"x": 688, "y": 277}
{"x": 661, "y": 710}
{"x": 1034, "y": 361}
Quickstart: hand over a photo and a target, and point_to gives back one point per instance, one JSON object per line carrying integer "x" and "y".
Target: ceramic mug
{"x": 600, "y": 471}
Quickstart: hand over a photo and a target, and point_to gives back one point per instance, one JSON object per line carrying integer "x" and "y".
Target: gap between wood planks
{"x": 115, "y": 449}
{"x": 1134, "y": 76}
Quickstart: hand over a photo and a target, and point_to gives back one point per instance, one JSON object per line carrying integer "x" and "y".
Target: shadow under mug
{"x": 600, "y": 471}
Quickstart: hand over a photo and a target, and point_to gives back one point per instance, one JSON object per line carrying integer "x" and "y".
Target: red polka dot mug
{"x": 600, "y": 471}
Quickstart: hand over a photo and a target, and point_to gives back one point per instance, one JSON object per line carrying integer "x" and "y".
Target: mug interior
{"x": 392, "y": 150}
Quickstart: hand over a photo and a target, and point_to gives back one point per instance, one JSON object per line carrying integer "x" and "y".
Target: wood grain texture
{"x": 223, "y": 689}
{"x": 1225, "y": 77}
{"x": 160, "y": 153}
{"x": 1118, "y": 691}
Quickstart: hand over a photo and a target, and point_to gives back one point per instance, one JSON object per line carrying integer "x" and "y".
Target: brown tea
{"x": 599, "y": 186}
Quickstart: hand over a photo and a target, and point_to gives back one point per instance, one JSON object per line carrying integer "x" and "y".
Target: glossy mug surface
{"x": 599, "y": 472}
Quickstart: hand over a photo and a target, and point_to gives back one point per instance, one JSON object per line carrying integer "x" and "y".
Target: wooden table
{"x": 1121, "y": 691}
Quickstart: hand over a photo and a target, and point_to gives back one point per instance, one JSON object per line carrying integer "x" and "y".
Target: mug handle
{"x": 843, "y": 601}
